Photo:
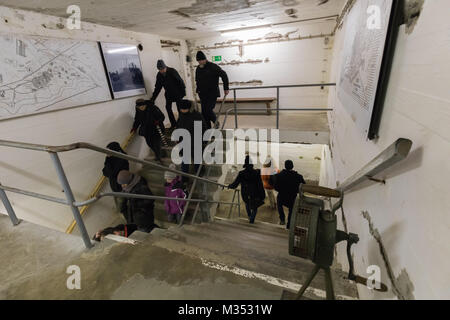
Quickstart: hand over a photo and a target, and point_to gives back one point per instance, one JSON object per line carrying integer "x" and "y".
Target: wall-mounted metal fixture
{"x": 396, "y": 152}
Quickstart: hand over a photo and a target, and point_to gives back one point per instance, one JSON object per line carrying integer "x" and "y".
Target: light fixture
{"x": 249, "y": 31}
{"x": 112, "y": 51}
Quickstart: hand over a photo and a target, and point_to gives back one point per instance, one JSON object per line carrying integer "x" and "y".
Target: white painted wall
{"x": 98, "y": 124}
{"x": 411, "y": 212}
{"x": 285, "y": 63}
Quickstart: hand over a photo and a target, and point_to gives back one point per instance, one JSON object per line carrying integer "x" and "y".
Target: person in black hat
{"x": 150, "y": 121}
{"x": 287, "y": 183}
{"x": 186, "y": 121}
{"x": 175, "y": 89}
{"x": 253, "y": 193}
{"x": 207, "y": 79}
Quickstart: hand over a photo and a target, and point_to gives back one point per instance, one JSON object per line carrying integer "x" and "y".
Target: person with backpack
{"x": 137, "y": 211}
{"x": 287, "y": 183}
{"x": 112, "y": 167}
{"x": 123, "y": 230}
{"x": 174, "y": 189}
{"x": 188, "y": 118}
{"x": 252, "y": 190}
{"x": 150, "y": 121}
{"x": 267, "y": 173}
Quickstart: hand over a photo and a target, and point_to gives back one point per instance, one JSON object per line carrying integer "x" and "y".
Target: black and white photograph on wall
{"x": 124, "y": 70}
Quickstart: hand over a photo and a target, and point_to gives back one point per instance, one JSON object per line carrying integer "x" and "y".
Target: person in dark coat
{"x": 114, "y": 165}
{"x": 207, "y": 77}
{"x": 174, "y": 87}
{"x": 187, "y": 121}
{"x": 287, "y": 183}
{"x": 137, "y": 211}
{"x": 150, "y": 121}
{"x": 252, "y": 192}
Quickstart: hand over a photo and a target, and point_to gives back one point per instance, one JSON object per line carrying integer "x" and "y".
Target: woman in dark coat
{"x": 150, "y": 121}
{"x": 114, "y": 165}
{"x": 252, "y": 189}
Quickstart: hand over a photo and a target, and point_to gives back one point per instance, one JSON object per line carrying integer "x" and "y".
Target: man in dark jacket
{"x": 207, "y": 78}
{"x": 137, "y": 211}
{"x": 150, "y": 121}
{"x": 187, "y": 121}
{"x": 175, "y": 89}
{"x": 253, "y": 193}
{"x": 287, "y": 183}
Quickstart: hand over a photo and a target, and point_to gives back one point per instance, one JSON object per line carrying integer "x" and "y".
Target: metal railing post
{"x": 235, "y": 110}
{"x": 278, "y": 107}
{"x": 9, "y": 209}
{"x": 190, "y": 196}
{"x": 70, "y": 198}
{"x": 231, "y": 206}
{"x": 239, "y": 203}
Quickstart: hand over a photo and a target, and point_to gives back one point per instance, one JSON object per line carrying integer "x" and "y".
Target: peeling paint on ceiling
{"x": 179, "y": 18}
{"x": 202, "y": 7}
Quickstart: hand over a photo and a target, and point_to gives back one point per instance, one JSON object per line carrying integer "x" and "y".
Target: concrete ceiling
{"x": 172, "y": 18}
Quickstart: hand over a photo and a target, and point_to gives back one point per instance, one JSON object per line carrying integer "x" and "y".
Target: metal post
{"x": 235, "y": 110}
{"x": 278, "y": 107}
{"x": 70, "y": 198}
{"x": 186, "y": 206}
{"x": 232, "y": 205}
{"x": 307, "y": 282}
{"x": 239, "y": 203}
{"x": 329, "y": 284}
{"x": 12, "y": 215}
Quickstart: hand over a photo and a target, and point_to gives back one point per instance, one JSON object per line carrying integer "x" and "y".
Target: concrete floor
{"x": 220, "y": 260}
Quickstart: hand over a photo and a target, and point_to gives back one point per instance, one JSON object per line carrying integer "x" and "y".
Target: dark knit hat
{"x": 201, "y": 56}
{"x": 141, "y": 102}
{"x": 289, "y": 165}
{"x": 124, "y": 177}
{"x": 185, "y": 104}
{"x": 160, "y": 65}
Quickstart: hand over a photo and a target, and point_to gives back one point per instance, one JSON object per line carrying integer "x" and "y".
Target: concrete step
{"x": 253, "y": 248}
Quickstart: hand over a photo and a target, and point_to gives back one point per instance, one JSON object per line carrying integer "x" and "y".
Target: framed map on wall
{"x": 39, "y": 74}
{"x": 124, "y": 70}
{"x": 370, "y": 33}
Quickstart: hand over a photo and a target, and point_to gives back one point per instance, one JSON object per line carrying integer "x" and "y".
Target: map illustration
{"x": 41, "y": 74}
{"x": 362, "y": 58}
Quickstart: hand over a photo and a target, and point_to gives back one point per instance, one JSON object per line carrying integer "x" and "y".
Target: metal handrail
{"x": 308, "y": 85}
{"x": 395, "y": 153}
{"x": 227, "y": 113}
{"x": 88, "y": 146}
{"x": 288, "y": 86}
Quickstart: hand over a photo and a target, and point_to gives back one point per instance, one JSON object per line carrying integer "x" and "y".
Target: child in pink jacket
{"x": 174, "y": 189}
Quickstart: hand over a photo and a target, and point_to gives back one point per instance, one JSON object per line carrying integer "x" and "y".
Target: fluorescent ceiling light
{"x": 246, "y": 31}
{"x": 112, "y": 51}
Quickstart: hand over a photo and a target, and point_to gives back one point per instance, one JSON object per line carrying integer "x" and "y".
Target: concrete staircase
{"x": 217, "y": 260}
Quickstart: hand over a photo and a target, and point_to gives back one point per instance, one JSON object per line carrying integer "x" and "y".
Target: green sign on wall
{"x": 217, "y": 58}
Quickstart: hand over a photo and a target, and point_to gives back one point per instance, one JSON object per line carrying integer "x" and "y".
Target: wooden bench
{"x": 267, "y": 101}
